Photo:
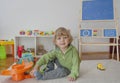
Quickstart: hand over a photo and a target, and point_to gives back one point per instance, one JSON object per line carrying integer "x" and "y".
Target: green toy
{"x": 2, "y": 52}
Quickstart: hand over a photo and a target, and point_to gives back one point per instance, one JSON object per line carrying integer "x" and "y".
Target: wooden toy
{"x": 29, "y": 32}
{"x": 36, "y": 32}
{"x": 22, "y": 32}
{"x": 41, "y": 33}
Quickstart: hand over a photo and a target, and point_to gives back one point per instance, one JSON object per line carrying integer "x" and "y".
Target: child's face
{"x": 62, "y": 41}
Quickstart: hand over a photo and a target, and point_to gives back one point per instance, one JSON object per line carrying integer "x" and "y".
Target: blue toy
{"x": 26, "y": 57}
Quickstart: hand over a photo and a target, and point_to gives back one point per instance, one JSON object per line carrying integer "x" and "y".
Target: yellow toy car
{"x": 100, "y": 66}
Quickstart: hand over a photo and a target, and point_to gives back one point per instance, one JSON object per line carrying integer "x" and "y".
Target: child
{"x": 64, "y": 55}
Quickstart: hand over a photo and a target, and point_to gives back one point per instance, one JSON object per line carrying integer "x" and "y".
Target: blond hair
{"x": 61, "y": 31}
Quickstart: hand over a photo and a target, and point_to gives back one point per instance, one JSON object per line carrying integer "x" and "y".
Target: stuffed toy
{"x": 41, "y": 50}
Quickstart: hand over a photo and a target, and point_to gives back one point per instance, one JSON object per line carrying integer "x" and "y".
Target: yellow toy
{"x": 41, "y": 33}
{"x": 100, "y": 66}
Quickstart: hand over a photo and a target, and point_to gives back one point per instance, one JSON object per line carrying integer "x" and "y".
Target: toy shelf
{"x": 10, "y": 43}
{"x": 32, "y": 42}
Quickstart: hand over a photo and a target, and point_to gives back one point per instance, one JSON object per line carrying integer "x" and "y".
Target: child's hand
{"x": 36, "y": 67}
{"x": 32, "y": 72}
{"x": 71, "y": 79}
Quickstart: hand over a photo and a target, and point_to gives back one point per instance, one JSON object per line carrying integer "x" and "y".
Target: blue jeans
{"x": 52, "y": 73}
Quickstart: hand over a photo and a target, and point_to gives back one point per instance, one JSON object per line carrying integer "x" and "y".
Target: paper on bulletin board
{"x": 109, "y": 32}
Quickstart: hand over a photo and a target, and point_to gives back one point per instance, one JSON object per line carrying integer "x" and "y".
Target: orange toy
{"x": 18, "y": 71}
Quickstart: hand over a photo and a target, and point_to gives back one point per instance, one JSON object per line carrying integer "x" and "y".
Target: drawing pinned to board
{"x": 97, "y": 10}
{"x": 86, "y": 32}
{"x": 109, "y": 32}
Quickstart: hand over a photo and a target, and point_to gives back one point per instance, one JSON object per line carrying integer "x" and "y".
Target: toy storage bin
{"x": 2, "y": 52}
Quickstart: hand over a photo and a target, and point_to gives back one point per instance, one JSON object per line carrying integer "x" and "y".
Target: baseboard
{"x": 92, "y": 53}
{"x": 95, "y": 55}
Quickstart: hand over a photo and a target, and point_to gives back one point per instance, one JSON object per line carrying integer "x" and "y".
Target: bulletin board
{"x": 97, "y": 10}
{"x": 97, "y": 13}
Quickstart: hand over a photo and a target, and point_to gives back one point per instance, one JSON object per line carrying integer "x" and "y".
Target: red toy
{"x": 20, "y": 50}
